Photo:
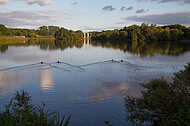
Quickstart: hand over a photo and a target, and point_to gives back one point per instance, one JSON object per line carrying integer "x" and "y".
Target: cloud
{"x": 74, "y": 3}
{"x": 129, "y": 8}
{"x": 32, "y": 19}
{"x": 166, "y": 1}
{"x": 122, "y": 8}
{"x": 89, "y": 28}
{"x": 108, "y": 8}
{"x": 180, "y": 17}
{"x": 141, "y": 11}
{"x": 40, "y": 2}
{"x": 3, "y": 2}
{"x": 126, "y": 9}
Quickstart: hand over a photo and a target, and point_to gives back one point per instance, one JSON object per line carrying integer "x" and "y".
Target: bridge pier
{"x": 87, "y": 35}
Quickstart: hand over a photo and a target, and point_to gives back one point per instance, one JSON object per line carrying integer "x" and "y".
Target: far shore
{"x": 19, "y": 39}
{"x": 23, "y": 39}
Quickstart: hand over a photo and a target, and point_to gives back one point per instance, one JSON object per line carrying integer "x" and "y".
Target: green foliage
{"x": 162, "y": 103}
{"x": 3, "y": 30}
{"x": 108, "y": 123}
{"x": 12, "y": 39}
{"x": 21, "y": 112}
{"x": 48, "y": 31}
{"x": 43, "y": 32}
{"x": 68, "y": 35}
{"x": 181, "y": 118}
{"x": 145, "y": 33}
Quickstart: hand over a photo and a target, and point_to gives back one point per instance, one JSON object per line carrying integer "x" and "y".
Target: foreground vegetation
{"x": 162, "y": 103}
{"x": 20, "y": 112}
{"x": 145, "y": 32}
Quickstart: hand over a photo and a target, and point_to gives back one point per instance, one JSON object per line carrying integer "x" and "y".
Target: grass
{"x": 12, "y": 39}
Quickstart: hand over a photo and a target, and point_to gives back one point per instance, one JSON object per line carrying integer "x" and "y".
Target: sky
{"x": 97, "y": 15}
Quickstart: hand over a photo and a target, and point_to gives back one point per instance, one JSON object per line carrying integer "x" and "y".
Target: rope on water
{"x": 95, "y": 63}
{"x": 72, "y": 66}
{"x": 16, "y": 67}
{"x": 53, "y": 65}
{"x": 60, "y": 68}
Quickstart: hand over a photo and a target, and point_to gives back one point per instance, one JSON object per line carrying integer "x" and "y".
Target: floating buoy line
{"x": 80, "y": 67}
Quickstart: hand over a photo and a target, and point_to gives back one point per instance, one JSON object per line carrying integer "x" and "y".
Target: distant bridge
{"x": 87, "y": 35}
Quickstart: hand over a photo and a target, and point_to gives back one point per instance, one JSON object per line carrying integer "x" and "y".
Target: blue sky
{"x": 93, "y": 15}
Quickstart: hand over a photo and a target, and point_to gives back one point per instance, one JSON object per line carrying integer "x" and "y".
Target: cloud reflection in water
{"x": 9, "y": 81}
{"x": 46, "y": 79}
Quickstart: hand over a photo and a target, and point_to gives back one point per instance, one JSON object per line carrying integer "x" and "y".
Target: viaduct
{"x": 87, "y": 35}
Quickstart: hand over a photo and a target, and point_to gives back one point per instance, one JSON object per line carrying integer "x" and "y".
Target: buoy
{"x": 112, "y": 60}
{"x": 121, "y": 60}
{"x": 58, "y": 62}
{"x": 42, "y": 62}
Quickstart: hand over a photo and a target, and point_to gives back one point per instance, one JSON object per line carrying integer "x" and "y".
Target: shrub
{"x": 21, "y": 112}
{"x": 162, "y": 103}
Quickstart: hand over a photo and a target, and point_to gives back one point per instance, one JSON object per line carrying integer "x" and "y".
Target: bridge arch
{"x": 87, "y": 35}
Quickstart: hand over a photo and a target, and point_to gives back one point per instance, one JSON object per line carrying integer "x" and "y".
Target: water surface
{"x": 86, "y": 82}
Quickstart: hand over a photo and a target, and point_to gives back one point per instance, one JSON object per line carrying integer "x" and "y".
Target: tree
{"x": 3, "y": 30}
{"x": 43, "y": 28}
{"x": 53, "y": 28}
{"x": 69, "y": 35}
{"x": 162, "y": 101}
{"x": 123, "y": 35}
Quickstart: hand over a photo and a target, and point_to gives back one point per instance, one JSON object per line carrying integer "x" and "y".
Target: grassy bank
{"x": 5, "y": 39}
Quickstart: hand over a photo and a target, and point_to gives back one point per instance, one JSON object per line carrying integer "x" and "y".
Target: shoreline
{"x": 17, "y": 39}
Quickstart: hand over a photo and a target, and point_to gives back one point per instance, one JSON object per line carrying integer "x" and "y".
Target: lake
{"x": 91, "y": 78}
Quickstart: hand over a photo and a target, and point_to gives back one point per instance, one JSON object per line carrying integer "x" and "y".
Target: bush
{"x": 21, "y": 112}
{"x": 162, "y": 103}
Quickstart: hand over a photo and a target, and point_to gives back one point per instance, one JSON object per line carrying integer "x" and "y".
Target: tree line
{"x": 145, "y": 32}
{"x": 42, "y": 32}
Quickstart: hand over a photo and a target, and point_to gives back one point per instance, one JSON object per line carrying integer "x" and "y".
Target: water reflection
{"x": 143, "y": 49}
{"x": 86, "y": 42}
{"x": 108, "y": 89}
{"x": 9, "y": 81}
{"x": 46, "y": 79}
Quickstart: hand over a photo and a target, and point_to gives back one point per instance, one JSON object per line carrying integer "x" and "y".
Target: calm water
{"x": 87, "y": 83}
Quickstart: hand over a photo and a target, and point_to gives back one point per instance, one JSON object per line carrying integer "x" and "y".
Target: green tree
{"x": 162, "y": 101}
{"x": 3, "y": 30}
{"x": 123, "y": 35}
{"x": 43, "y": 28}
